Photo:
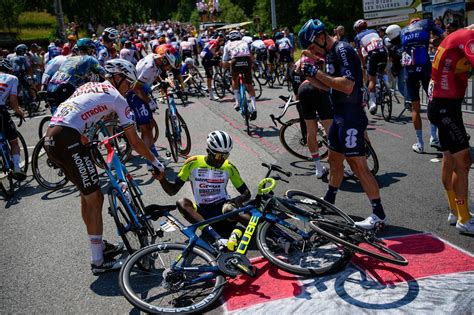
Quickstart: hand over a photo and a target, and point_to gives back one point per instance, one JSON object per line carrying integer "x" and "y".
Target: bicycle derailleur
{"x": 233, "y": 264}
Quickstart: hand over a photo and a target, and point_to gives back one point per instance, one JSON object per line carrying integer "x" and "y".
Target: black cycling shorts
{"x": 7, "y": 125}
{"x": 261, "y": 55}
{"x": 414, "y": 75}
{"x": 376, "y": 62}
{"x": 208, "y": 211}
{"x": 446, "y": 114}
{"x": 64, "y": 147}
{"x": 242, "y": 65}
{"x": 285, "y": 56}
{"x": 207, "y": 64}
{"x": 347, "y": 136}
{"x": 314, "y": 101}
{"x": 186, "y": 54}
{"x": 271, "y": 56}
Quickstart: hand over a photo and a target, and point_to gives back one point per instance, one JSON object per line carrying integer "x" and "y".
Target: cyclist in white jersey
{"x": 64, "y": 145}
{"x": 127, "y": 53}
{"x": 8, "y": 92}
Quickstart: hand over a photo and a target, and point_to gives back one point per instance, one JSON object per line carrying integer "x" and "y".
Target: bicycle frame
{"x": 5, "y": 150}
{"x": 287, "y": 105}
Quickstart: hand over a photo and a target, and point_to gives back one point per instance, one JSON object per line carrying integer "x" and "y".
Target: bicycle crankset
{"x": 233, "y": 264}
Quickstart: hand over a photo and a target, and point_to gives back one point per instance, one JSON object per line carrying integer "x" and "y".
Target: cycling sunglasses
{"x": 219, "y": 155}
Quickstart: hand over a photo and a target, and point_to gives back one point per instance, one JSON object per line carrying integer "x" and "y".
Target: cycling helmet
{"x": 189, "y": 61}
{"x": 235, "y": 35}
{"x": 360, "y": 25}
{"x": 21, "y": 49}
{"x": 309, "y": 31}
{"x": 279, "y": 35}
{"x": 6, "y": 64}
{"x": 185, "y": 37}
{"x": 219, "y": 142}
{"x": 110, "y": 33}
{"x": 85, "y": 44}
{"x": 122, "y": 67}
{"x": 163, "y": 51}
{"x": 393, "y": 31}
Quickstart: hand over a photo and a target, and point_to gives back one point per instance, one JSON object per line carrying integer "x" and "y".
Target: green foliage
{"x": 9, "y": 12}
{"x": 36, "y": 19}
{"x": 36, "y": 33}
{"x": 231, "y": 12}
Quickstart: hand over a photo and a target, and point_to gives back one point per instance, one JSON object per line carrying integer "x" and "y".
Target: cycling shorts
{"x": 376, "y": 62}
{"x": 7, "y": 125}
{"x": 347, "y": 136}
{"x": 446, "y": 114}
{"x": 271, "y": 56}
{"x": 208, "y": 64}
{"x": 261, "y": 55}
{"x": 64, "y": 147}
{"x": 314, "y": 101}
{"x": 242, "y": 65}
{"x": 208, "y": 211}
{"x": 414, "y": 75}
{"x": 285, "y": 56}
{"x": 186, "y": 54}
{"x": 141, "y": 110}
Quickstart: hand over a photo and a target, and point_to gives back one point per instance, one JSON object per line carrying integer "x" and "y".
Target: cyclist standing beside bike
{"x": 371, "y": 53}
{"x": 416, "y": 60}
{"x": 346, "y": 134}
{"x": 452, "y": 64}
{"x": 237, "y": 55}
{"x": 8, "y": 92}
{"x": 209, "y": 175}
{"x": 208, "y": 60}
{"x": 22, "y": 69}
{"x": 64, "y": 146}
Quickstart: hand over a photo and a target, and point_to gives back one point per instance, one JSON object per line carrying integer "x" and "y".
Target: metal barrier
{"x": 468, "y": 102}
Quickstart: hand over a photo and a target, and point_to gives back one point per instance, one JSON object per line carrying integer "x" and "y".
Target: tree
{"x": 10, "y": 11}
{"x": 231, "y": 13}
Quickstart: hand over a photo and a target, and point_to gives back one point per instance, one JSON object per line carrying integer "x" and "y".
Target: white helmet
{"x": 123, "y": 67}
{"x": 219, "y": 141}
{"x": 360, "y": 25}
{"x": 189, "y": 61}
{"x": 235, "y": 35}
{"x": 110, "y": 33}
{"x": 393, "y": 31}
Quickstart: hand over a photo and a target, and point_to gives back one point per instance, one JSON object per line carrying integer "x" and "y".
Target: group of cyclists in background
{"x": 86, "y": 79}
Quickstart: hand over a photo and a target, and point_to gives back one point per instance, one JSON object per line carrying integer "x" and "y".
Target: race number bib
{"x": 406, "y": 59}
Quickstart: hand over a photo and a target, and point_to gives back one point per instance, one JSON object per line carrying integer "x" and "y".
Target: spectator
{"x": 339, "y": 33}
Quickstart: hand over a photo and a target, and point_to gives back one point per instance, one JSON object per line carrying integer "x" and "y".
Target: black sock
{"x": 331, "y": 194}
{"x": 377, "y": 208}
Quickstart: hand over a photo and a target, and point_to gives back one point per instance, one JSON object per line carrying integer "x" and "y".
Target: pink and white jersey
{"x": 89, "y": 104}
{"x": 8, "y": 86}
{"x": 186, "y": 46}
{"x": 369, "y": 42}
{"x": 147, "y": 70}
{"x": 128, "y": 54}
{"x": 238, "y": 48}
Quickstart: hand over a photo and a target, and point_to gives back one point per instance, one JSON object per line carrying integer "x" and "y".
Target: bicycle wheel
{"x": 227, "y": 78}
{"x": 133, "y": 237}
{"x": 219, "y": 85}
{"x": 184, "y": 142}
{"x": 163, "y": 290}
{"x": 295, "y": 142}
{"x": 372, "y": 159}
{"x": 357, "y": 240}
{"x": 47, "y": 173}
{"x": 24, "y": 162}
{"x": 155, "y": 130}
{"x": 386, "y": 105}
{"x": 258, "y": 88}
{"x": 245, "y": 107}
{"x": 6, "y": 175}
{"x": 170, "y": 134}
{"x": 43, "y": 126}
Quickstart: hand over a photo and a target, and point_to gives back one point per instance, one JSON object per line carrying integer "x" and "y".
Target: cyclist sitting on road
{"x": 73, "y": 72}
{"x": 149, "y": 70}
{"x": 452, "y": 65}
{"x": 346, "y": 133}
{"x": 416, "y": 60}
{"x": 237, "y": 55}
{"x": 371, "y": 53}
{"x": 8, "y": 92}
{"x": 64, "y": 145}
{"x": 209, "y": 175}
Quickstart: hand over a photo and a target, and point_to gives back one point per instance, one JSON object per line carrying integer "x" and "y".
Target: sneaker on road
{"x": 434, "y": 143}
{"x": 321, "y": 173}
{"x": 372, "y": 107}
{"x": 213, "y": 97}
{"x": 452, "y": 219}
{"x": 418, "y": 148}
{"x": 112, "y": 250}
{"x": 19, "y": 175}
{"x": 109, "y": 264}
{"x": 466, "y": 228}
{"x": 371, "y": 222}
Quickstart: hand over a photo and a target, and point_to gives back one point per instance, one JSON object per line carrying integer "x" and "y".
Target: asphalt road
{"x": 45, "y": 256}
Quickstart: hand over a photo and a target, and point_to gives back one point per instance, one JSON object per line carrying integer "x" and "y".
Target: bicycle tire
{"x": 133, "y": 238}
{"x": 386, "y": 107}
{"x": 23, "y": 153}
{"x": 6, "y": 177}
{"x": 170, "y": 135}
{"x": 227, "y": 79}
{"x": 292, "y": 140}
{"x": 372, "y": 159}
{"x": 50, "y": 177}
{"x": 245, "y": 108}
{"x": 41, "y": 127}
{"x": 219, "y": 86}
{"x": 258, "y": 88}
{"x": 155, "y": 130}
{"x": 186, "y": 148}
{"x": 327, "y": 228}
{"x": 147, "y": 280}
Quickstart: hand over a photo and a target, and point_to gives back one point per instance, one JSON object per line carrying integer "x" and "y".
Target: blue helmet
{"x": 309, "y": 31}
{"x": 21, "y": 49}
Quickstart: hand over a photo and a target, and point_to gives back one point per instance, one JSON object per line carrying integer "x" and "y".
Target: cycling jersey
{"x": 451, "y": 65}
{"x": 75, "y": 70}
{"x": 186, "y": 48}
{"x": 283, "y": 44}
{"x": 258, "y": 46}
{"x": 20, "y": 65}
{"x": 234, "y": 49}
{"x": 209, "y": 49}
{"x": 8, "y": 86}
{"x": 128, "y": 54}
{"x": 147, "y": 70}
{"x": 367, "y": 41}
{"x": 54, "y": 51}
{"x": 51, "y": 67}
{"x": 270, "y": 44}
{"x": 209, "y": 184}
{"x": 103, "y": 54}
{"x": 415, "y": 41}
{"x": 89, "y": 104}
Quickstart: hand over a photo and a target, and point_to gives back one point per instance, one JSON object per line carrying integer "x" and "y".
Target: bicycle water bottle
{"x": 123, "y": 185}
{"x": 234, "y": 239}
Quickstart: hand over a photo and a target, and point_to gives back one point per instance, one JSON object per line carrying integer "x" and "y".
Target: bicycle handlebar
{"x": 277, "y": 168}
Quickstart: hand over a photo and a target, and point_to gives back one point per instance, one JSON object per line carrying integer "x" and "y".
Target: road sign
{"x": 387, "y": 21}
{"x": 380, "y": 14}
{"x": 377, "y": 5}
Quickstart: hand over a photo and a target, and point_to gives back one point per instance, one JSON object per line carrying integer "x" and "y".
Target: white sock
{"x": 254, "y": 103}
{"x": 96, "y": 246}
{"x": 372, "y": 96}
{"x": 237, "y": 96}
{"x": 16, "y": 161}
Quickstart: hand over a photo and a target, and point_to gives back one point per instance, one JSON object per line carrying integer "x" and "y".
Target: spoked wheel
{"x": 295, "y": 142}
{"x": 171, "y": 135}
{"x": 386, "y": 105}
{"x": 219, "y": 85}
{"x": 372, "y": 159}
{"x": 133, "y": 237}
{"x": 227, "y": 77}
{"x": 162, "y": 289}
{"x": 43, "y": 126}
{"x": 258, "y": 88}
{"x": 6, "y": 177}
{"x": 46, "y": 172}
